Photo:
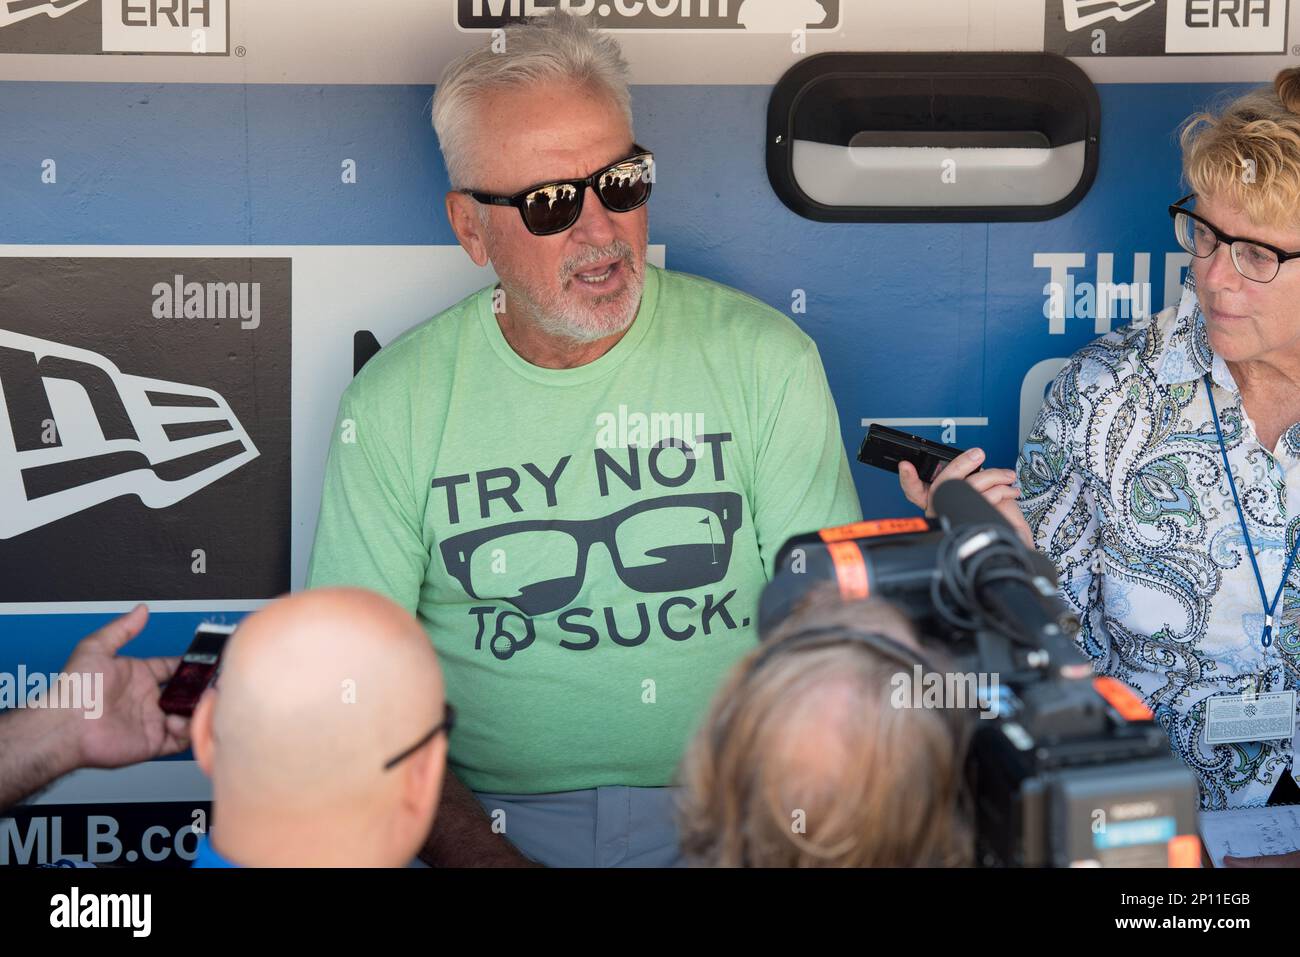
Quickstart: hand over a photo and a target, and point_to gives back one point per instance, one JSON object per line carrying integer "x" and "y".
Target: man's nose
{"x": 596, "y": 224}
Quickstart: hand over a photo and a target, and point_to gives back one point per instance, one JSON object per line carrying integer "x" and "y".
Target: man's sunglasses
{"x": 550, "y": 208}
{"x": 446, "y": 724}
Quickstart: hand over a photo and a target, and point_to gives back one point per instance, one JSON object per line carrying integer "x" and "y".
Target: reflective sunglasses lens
{"x": 551, "y": 208}
{"x": 626, "y": 186}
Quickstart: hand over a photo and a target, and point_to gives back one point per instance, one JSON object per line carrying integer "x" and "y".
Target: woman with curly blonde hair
{"x": 1163, "y": 473}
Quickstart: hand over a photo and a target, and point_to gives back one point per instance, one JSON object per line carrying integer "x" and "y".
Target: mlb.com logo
{"x": 659, "y": 16}
{"x": 187, "y": 27}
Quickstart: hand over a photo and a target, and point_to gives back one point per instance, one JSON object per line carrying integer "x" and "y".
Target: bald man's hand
{"x": 132, "y": 727}
{"x": 39, "y": 745}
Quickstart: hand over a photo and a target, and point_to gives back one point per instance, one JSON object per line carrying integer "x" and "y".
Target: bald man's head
{"x": 317, "y": 691}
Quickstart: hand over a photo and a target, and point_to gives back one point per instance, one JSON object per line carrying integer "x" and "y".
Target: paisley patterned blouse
{"x": 1124, "y": 488}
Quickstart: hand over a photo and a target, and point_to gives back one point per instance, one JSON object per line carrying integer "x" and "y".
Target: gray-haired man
{"x": 578, "y": 480}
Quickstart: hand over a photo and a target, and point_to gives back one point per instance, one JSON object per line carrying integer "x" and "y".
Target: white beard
{"x": 555, "y": 315}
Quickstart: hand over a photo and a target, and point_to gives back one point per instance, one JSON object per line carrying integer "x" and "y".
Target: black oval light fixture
{"x": 933, "y": 137}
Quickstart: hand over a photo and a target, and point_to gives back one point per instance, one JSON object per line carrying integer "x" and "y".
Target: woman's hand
{"x": 998, "y": 486}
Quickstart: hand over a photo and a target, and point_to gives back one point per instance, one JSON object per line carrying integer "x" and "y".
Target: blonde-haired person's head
{"x": 803, "y": 762}
{"x": 1247, "y": 154}
{"x": 1242, "y": 163}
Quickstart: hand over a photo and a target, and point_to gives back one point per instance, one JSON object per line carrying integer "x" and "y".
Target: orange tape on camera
{"x": 850, "y": 570}
{"x": 1121, "y": 697}
{"x": 873, "y": 529}
{"x": 1185, "y": 851}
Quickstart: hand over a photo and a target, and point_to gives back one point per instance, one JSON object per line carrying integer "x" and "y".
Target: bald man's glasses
{"x": 446, "y": 724}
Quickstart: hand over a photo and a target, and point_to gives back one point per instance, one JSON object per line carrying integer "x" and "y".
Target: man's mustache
{"x": 620, "y": 251}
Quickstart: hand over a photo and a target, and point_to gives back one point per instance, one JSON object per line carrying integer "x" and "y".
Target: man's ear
{"x": 201, "y": 731}
{"x": 423, "y": 782}
{"x": 463, "y": 216}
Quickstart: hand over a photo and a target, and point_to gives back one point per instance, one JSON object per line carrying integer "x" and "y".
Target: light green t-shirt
{"x": 585, "y": 547}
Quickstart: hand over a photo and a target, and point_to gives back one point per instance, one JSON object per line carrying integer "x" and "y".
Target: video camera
{"x": 1068, "y": 769}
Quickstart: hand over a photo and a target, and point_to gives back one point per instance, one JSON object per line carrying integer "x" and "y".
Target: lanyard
{"x": 1267, "y": 637}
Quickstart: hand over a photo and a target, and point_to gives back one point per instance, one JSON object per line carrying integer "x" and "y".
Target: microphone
{"x": 1017, "y": 585}
{"x": 960, "y": 505}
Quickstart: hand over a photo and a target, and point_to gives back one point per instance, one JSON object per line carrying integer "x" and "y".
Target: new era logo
{"x": 1158, "y": 27}
{"x": 12, "y": 11}
{"x": 194, "y": 27}
{"x": 145, "y": 440}
{"x": 1084, "y": 13}
{"x": 75, "y": 431}
{"x": 1226, "y": 26}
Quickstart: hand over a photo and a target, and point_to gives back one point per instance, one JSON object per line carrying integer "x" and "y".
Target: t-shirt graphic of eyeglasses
{"x": 665, "y": 544}
{"x": 585, "y": 547}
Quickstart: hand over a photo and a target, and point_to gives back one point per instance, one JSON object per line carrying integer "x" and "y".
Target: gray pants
{"x": 598, "y": 827}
